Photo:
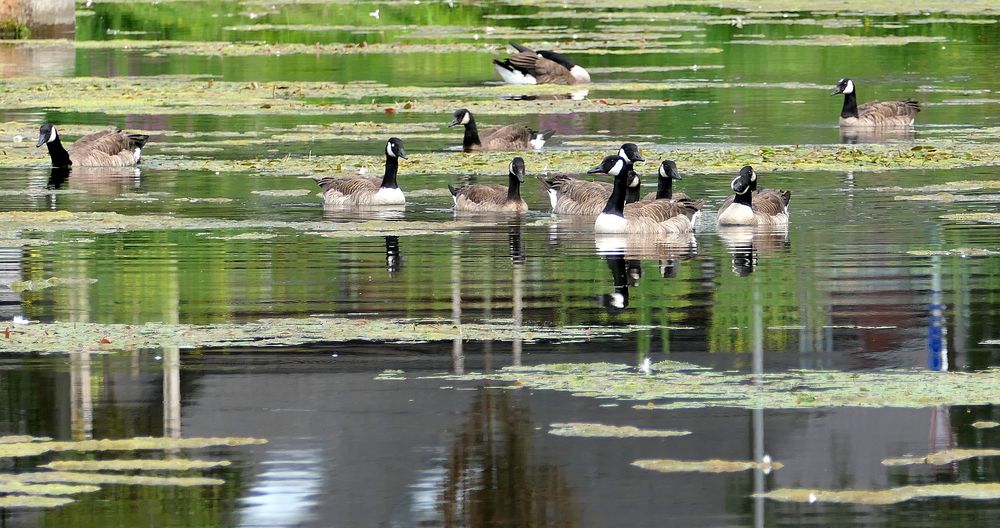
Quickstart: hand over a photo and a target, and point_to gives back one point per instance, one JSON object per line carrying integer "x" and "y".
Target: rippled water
{"x": 860, "y": 281}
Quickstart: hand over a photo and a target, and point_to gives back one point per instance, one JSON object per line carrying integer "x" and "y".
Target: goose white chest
{"x": 386, "y": 196}
{"x": 737, "y": 214}
{"x": 609, "y": 223}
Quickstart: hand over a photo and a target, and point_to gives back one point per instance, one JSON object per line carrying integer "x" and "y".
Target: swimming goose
{"x": 528, "y": 66}
{"x": 573, "y": 196}
{"x": 665, "y": 184}
{"x": 507, "y": 137}
{"x": 655, "y": 217}
{"x": 368, "y": 191}
{"x": 874, "y": 114}
{"x": 495, "y": 198}
{"x": 107, "y": 148}
{"x": 750, "y": 207}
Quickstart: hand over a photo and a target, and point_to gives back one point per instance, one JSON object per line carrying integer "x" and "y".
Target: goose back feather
{"x": 108, "y": 148}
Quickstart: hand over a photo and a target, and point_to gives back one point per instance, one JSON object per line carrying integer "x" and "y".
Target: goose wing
{"x": 480, "y": 193}
{"x": 107, "y": 148}
{"x": 577, "y": 197}
{"x": 509, "y": 137}
{"x": 544, "y": 71}
{"x": 771, "y": 201}
{"x": 676, "y": 196}
{"x": 888, "y": 109}
{"x": 348, "y": 186}
{"x": 660, "y": 210}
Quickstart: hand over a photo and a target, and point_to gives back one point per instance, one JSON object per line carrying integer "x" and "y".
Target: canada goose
{"x": 107, "y": 148}
{"x": 528, "y": 66}
{"x": 573, "y": 196}
{"x": 665, "y": 184}
{"x": 368, "y": 191}
{"x": 507, "y": 137}
{"x": 750, "y": 207}
{"x": 655, "y": 217}
{"x": 495, "y": 198}
{"x": 874, "y": 114}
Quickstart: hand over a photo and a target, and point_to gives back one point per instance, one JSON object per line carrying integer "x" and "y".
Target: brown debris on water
{"x": 705, "y": 466}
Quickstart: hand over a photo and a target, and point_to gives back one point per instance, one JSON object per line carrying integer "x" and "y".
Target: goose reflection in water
{"x": 624, "y": 273}
{"x": 857, "y": 135}
{"x": 575, "y": 95}
{"x": 746, "y": 243}
{"x": 393, "y": 260}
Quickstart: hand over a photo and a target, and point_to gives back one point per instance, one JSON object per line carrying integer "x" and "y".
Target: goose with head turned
{"x": 528, "y": 66}
{"x": 750, "y": 207}
{"x": 361, "y": 191}
{"x": 655, "y": 217}
{"x": 666, "y": 175}
{"x": 107, "y": 148}
{"x": 493, "y": 198}
{"x": 875, "y": 114}
{"x": 573, "y": 196}
{"x": 507, "y": 137}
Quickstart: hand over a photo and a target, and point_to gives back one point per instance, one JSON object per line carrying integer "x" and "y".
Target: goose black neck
{"x": 513, "y": 188}
{"x": 616, "y": 202}
{"x": 631, "y": 193}
{"x": 471, "y": 135}
{"x": 60, "y": 158}
{"x": 391, "y": 168}
{"x": 745, "y": 198}
{"x": 850, "y": 105}
{"x": 665, "y": 188}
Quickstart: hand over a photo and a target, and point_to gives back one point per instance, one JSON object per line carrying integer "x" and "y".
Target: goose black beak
{"x": 41, "y": 140}
{"x": 638, "y": 157}
{"x": 596, "y": 170}
{"x": 401, "y": 153}
{"x": 836, "y": 91}
{"x": 454, "y": 122}
{"x": 676, "y": 176}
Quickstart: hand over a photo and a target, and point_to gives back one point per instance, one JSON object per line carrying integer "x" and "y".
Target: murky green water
{"x": 863, "y": 281}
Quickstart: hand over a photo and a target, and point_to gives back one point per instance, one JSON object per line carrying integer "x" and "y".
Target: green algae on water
{"x": 46, "y": 489}
{"x": 42, "y": 284}
{"x": 282, "y": 332}
{"x": 704, "y": 466}
{"x": 17, "y": 439}
{"x": 676, "y": 385}
{"x": 985, "y": 424}
{"x": 591, "y": 430}
{"x": 139, "y": 464}
{"x": 941, "y": 457}
{"x": 142, "y": 443}
{"x": 32, "y": 501}
{"x": 975, "y": 491}
{"x": 105, "y": 478}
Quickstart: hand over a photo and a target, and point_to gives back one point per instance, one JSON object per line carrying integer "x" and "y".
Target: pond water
{"x": 874, "y": 275}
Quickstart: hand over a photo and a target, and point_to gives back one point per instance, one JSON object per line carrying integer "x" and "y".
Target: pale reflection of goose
{"x": 642, "y": 246}
{"x": 393, "y": 260}
{"x": 618, "y": 299}
{"x": 356, "y": 213}
{"x": 854, "y": 135}
{"x": 745, "y": 243}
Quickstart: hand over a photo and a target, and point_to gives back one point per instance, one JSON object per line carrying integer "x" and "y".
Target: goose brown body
{"x": 500, "y": 138}
{"x": 366, "y": 191}
{"x": 528, "y": 66}
{"x": 108, "y": 148}
{"x": 573, "y": 196}
{"x": 655, "y": 217}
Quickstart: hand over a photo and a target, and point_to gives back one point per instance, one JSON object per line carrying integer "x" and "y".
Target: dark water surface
{"x": 854, "y": 284}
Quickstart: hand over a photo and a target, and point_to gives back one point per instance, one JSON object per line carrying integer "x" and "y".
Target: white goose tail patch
{"x": 581, "y": 75}
{"x": 553, "y": 197}
{"x": 512, "y": 76}
{"x": 137, "y": 154}
{"x": 537, "y": 141}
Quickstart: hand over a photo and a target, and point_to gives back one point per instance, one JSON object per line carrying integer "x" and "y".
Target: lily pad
{"x": 173, "y": 464}
{"x": 977, "y": 491}
{"x": 704, "y": 466}
{"x": 941, "y": 457}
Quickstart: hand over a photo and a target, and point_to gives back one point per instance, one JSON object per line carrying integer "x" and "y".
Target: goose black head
{"x": 630, "y": 152}
{"x": 394, "y": 148}
{"x": 46, "y": 134}
{"x": 668, "y": 169}
{"x": 746, "y": 181}
{"x": 461, "y": 117}
{"x": 844, "y": 86}
{"x": 516, "y": 168}
{"x": 611, "y": 165}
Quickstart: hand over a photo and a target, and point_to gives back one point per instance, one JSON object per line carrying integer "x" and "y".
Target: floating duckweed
{"x": 283, "y": 192}
{"x": 35, "y": 285}
{"x": 846, "y": 40}
{"x": 391, "y": 375}
{"x": 590, "y": 430}
{"x": 174, "y": 464}
{"x": 984, "y": 218}
{"x": 104, "y": 478}
{"x": 17, "y": 439}
{"x": 961, "y": 252}
{"x": 666, "y": 465}
{"x": 144, "y": 443}
{"x": 46, "y": 489}
{"x": 32, "y": 501}
{"x": 941, "y": 457}
{"x": 677, "y": 385}
{"x": 63, "y": 337}
{"x": 978, "y": 491}
{"x": 244, "y": 236}
{"x": 985, "y": 424}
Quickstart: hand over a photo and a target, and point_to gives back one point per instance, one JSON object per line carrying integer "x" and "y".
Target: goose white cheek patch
{"x": 850, "y": 87}
{"x": 465, "y": 119}
{"x": 52, "y": 135}
{"x": 389, "y": 151}
{"x": 617, "y": 169}
{"x": 663, "y": 172}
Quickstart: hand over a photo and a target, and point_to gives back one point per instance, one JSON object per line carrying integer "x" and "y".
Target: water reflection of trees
{"x": 494, "y": 478}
